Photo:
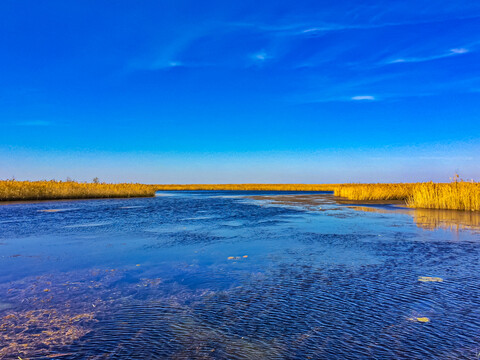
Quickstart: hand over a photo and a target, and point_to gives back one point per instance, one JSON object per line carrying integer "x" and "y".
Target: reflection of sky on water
{"x": 216, "y": 274}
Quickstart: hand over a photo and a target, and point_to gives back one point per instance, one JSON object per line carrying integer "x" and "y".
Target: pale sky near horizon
{"x": 234, "y": 92}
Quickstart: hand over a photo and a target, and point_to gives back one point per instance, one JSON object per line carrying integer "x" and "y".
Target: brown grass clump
{"x": 12, "y": 190}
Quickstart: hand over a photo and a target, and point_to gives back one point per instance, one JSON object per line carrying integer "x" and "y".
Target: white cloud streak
{"x": 452, "y": 52}
{"x": 363, "y": 97}
{"x": 260, "y": 56}
{"x": 308, "y": 28}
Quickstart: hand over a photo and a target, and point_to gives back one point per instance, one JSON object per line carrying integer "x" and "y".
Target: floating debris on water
{"x": 237, "y": 257}
{"x": 423, "y": 319}
{"x": 420, "y": 319}
{"x": 430, "y": 279}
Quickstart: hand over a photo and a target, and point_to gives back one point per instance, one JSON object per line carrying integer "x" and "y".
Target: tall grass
{"x": 250, "y": 187}
{"x": 11, "y": 190}
{"x": 458, "y": 195}
{"x": 375, "y": 191}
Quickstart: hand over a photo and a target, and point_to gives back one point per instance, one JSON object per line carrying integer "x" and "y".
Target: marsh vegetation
{"x": 12, "y": 190}
{"x": 237, "y": 275}
{"x": 457, "y": 195}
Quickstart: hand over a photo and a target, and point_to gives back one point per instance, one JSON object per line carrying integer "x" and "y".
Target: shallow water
{"x": 236, "y": 275}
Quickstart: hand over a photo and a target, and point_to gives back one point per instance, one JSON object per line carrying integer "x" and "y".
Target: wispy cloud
{"x": 260, "y": 56}
{"x": 451, "y": 52}
{"x": 321, "y": 98}
{"x": 311, "y": 28}
{"x": 175, "y": 63}
{"x": 363, "y": 97}
{"x": 281, "y": 39}
{"x": 331, "y": 98}
{"x": 459, "y": 51}
{"x": 163, "y": 64}
{"x": 171, "y": 53}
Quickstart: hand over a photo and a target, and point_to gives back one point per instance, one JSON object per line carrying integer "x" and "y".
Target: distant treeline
{"x": 457, "y": 195}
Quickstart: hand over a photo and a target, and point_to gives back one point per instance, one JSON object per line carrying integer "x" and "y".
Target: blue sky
{"x": 246, "y": 91}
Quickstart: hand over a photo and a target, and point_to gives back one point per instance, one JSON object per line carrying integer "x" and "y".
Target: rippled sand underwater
{"x": 229, "y": 275}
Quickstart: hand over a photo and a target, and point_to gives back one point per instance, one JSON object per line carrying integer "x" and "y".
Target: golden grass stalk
{"x": 459, "y": 195}
{"x": 250, "y": 187}
{"x": 11, "y": 190}
{"x": 375, "y": 191}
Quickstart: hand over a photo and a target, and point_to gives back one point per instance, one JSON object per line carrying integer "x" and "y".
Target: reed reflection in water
{"x": 431, "y": 219}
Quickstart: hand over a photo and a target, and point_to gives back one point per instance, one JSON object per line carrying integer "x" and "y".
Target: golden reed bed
{"x": 11, "y": 190}
{"x": 250, "y": 187}
{"x": 458, "y": 195}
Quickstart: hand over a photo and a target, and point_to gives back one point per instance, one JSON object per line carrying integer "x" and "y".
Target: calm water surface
{"x": 223, "y": 275}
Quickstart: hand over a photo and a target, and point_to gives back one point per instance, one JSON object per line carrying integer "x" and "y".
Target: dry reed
{"x": 375, "y": 191}
{"x": 250, "y": 187}
{"x": 11, "y": 190}
{"x": 458, "y": 195}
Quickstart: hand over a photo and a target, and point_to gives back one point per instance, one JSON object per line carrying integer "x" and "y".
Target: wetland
{"x": 238, "y": 275}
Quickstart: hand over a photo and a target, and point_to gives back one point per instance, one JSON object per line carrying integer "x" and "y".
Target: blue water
{"x": 222, "y": 275}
